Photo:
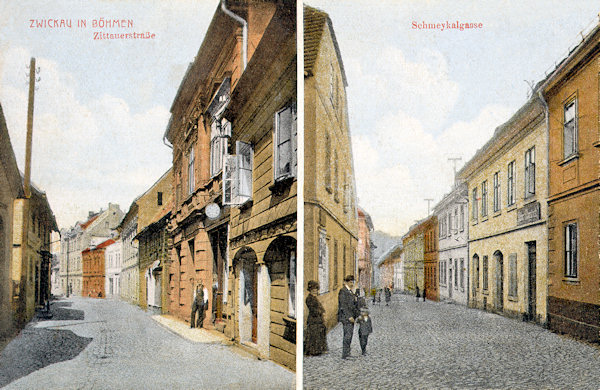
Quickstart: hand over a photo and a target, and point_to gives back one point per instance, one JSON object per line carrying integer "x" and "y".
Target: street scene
{"x": 456, "y": 162}
{"x": 109, "y": 344}
{"x": 148, "y": 177}
{"x": 436, "y": 345}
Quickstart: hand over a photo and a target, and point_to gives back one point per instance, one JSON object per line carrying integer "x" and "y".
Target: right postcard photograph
{"x": 451, "y": 195}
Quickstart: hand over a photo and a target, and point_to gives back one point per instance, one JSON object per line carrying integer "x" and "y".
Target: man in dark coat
{"x": 347, "y": 312}
{"x": 198, "y": 305}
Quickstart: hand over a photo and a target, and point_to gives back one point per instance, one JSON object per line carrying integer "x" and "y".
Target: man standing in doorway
{"x": 199, "y": 305}
{"x": 347, "y": 312}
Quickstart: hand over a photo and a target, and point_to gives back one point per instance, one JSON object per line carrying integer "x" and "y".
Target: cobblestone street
{"x": 109, "y": 344}
{"x": 431, "y": 345}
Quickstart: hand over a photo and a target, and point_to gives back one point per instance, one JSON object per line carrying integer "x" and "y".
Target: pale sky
{"x": 417, "y": 97}
{"x": 102, "y": 106}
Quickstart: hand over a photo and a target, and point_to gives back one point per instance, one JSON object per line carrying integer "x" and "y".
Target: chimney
{"x": 90, "y": 214}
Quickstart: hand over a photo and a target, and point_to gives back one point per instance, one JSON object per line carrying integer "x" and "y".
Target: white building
{"x": 399, "y": 273}
{"x": 453, "y": 267}
{"x": 113, "y": 266}
{"x": 96, "y": 229}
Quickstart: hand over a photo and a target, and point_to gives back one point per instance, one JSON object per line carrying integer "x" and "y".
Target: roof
{"x": 315, "y": 21}
{"x": 87, "y": 223}
{"x": 8, "y": 160}
{"x": 389, "y": 252}
{"x": 102, "y": 245}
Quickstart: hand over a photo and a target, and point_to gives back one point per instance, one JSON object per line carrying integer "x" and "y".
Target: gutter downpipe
{"x": 244, "y": 33}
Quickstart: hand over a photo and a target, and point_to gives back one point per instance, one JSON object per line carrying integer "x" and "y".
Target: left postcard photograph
{"x": 148, "y": 194}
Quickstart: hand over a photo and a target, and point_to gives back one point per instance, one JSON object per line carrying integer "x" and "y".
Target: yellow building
{"x": 507, "y": 180}
{"x": 331, "y": 222}
{"x": 413, "y": 244}
{"x": 234, "y": 136}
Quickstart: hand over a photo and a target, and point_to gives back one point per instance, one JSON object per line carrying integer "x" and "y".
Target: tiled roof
{"x": 89, "y": 222}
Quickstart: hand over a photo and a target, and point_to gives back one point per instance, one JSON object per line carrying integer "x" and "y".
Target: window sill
{"x": 329, "y": 189}
{"x": 497, "y": 213}
{"x": 485, "y": 218}
{"x": 571, "y": 281}
{"x": 511, "y": 207}
{"x": 512, "y": 299}
{"x": 281, "y": 184}
{"x": 485, "y": 292}
{"x": 596, "y": 144}
{"x": 569, "y": 159}
{"x": 246, "y": 205}
{"x": 473, "y": 223}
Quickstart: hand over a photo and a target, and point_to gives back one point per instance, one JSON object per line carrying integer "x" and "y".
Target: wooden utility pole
{"x": 27, "y": 177}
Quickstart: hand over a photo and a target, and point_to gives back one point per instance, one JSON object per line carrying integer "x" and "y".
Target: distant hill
{"x": 383, "y": 242}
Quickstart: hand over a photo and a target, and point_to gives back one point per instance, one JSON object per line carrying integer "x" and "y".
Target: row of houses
{"x": 225, "y": 214}
{"x": 519, "y": 232}
{"x": 26, "y": 226}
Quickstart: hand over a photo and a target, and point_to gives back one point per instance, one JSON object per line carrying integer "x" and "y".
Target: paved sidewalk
{"x": 197, "y": 335}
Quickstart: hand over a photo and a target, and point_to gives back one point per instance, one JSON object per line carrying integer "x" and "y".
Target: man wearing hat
{"x": 347, "y": 312}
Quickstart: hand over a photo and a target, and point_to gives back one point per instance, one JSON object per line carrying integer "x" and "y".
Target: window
{"x": 485, "y": 273}
{"x": 570, "y": 129}
{"x": 496, "y": 191}
{"x": 159, "y": 198}
{"x": 237, "y": 175}
{"x": 336, "y": 176}
{"x": 456, "y": 221}
{"x": 323, "y": 263}
{"x": 440, "y": 228}
{"x": 510, "y": 184}
{"x": 512, "y": 270}
{"x": 455, "y": 273}
{"x": 571, "y": 250}
{"x": 450, "y": 223}
{"x": 484, "y": 199}
{"x": 474, "y": 210}
{"x": 462, "y": 218}
{"x": 285, "y": 143}
{"x": 191, "y": 182}
{"x": 530, "y": 172}
{"x": 220, "y": 132}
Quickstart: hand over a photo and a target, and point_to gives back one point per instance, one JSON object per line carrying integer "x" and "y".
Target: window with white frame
{"x": 237, "y": 175}
{"x": 570, "y": 129}
{"x": 450, "y": 223}
{"x": 476, "y": 266}
{"x": 484, "y": 192}
{"x": 191, "y": 160}
{"x": 496, "y": 192}
{"x": 474, "y": 203}
{"x": 571, "y": 266}
{"x": 530, "y": 172}
{"x": 510, "y": 184}
{"x": 285, "y": 143}
{"x": 462, "y": 218}
{"x": 323, "y": 263}
{"x": 220, "y": 132}
{"x": 456, "y": 222}
{"x": 455, "y": 274}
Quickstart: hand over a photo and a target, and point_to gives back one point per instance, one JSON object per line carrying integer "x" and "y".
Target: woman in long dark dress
{"x": 315, "y": 337}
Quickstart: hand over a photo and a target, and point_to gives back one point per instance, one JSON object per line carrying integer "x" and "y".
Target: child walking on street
{"x": 365, "y": 328}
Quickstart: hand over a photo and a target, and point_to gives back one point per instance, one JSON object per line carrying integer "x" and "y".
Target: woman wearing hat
{"x": 315, "y": 337}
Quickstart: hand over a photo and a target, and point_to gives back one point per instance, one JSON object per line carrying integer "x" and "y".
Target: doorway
{"x": 499, "y": 280}
{"x": 531, "y": 279}
{"x": 450, "y": 279}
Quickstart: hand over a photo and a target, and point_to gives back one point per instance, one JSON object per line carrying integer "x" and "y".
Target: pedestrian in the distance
{"x": 347, "y": 312}
{"x": 388, "y": 296}
{"x": 315, "y": 339}
{"x": 360, "y": 298}
{"x": 418, "y": 294}
{"x": 365, "y": 328}
{"x": 374, "y": 294}
{"x": 379, "y": 296}
{"x": 424, "y": 293}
